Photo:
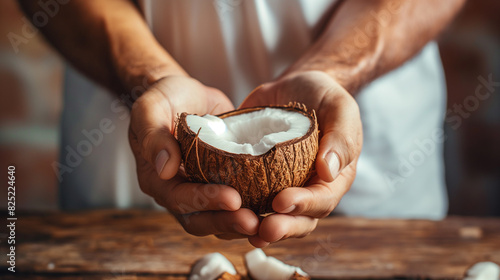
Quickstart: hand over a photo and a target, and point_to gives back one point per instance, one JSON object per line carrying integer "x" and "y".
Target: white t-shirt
{"x": 235, "y": 45}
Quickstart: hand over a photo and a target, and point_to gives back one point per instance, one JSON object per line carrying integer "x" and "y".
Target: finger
{"x": 152, "y": 118}
{"x": 230, "y": 236}
{"x": 218, "y": 102}
{"x": 242, "y": 221}
{"x": 278, "y": 227}
{"x": 151, "y": 126}
{"x": 318, "y": 199}
{"x": 257, "y": 98}
{"x": 186, "y": 198}
{"x": 342, "y": 136}
{"x": 257, "y": 242}
{"x": 181, "y": 197}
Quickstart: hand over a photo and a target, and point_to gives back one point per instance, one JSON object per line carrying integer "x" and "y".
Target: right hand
{"x": 341, "y": 139}
{"x": 202, "y": 209}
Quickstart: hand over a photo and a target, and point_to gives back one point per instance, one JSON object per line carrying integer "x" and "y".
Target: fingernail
{"x": 239, "y": 229}
{"x": 288, "y": 210}
{"x": 333, "y": 163}
{"x": 161, "y": 160}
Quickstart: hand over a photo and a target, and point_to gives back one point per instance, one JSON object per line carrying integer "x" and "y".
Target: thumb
{"x": 257, "y": 97}
{"x": 342, "y": 137}
{"x": 217, "y": 102}
{"x": 151, "y": 125}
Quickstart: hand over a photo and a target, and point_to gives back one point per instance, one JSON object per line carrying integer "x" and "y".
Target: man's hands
{"x": 298, "y": 209}
{"x": 202, "y": 209}
{"x": 124, "y": 51}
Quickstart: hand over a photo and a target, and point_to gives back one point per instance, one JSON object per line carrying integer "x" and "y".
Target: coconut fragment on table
{"x": 262, "y": 267}
{"x": 483, "y": 271}
{"x": 213, "y": 266}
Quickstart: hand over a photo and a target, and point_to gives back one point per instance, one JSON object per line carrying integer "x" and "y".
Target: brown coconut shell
{"x": 260, "y": 178}
{"x": 297, "y": 276}
{"x": 229, "y": 276}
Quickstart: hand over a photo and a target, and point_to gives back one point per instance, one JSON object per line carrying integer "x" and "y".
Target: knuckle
{"x": 179, "y": 207}
{"x": 174, "y": 201}
{"x": 353, "y": 105}
{"x": 308, "y": 231}
{"x": 146, "y": 140}
{"x": 145, "y": 188}
{"x": 327, "y": 209}
{"x": 323, "y": 214}
{"x": 222, "y": 237}
{"x": 138, "y": 107}
{"x": 191, "y": 228}
{"x": 304, "y": 234}
{"x": 349, "y": 151}
{"x": 330, "y": 209}
{"x": 348, "y": 102}
{"x": 220, "y": 227}
{"x": 308, "y": 204}
{"x": 160, "y": 202}
{"x": 322, "y": 203}
{"x": 169, "y": 199}
{"x": 326, "y": 212}
{"x": 173, "y": 206}
{"x": 144, "y": 184}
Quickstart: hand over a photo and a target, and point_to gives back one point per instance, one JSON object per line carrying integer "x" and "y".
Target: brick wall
{"x": 470, "y": 50}
{"x": 30, "y": 103}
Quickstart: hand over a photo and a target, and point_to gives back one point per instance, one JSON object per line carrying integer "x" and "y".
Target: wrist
{"x": 350, "y": 68}
{"x": 326, "y": 74}
{"x": 138, "y": 78}
{"x": 344, "y": 75}
{"x": 137, "y": 57}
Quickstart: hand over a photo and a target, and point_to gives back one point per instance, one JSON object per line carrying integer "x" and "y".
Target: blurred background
{"x": 31, "y": 99}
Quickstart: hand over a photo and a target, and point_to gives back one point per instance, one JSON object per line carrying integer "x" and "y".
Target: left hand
{"x": 341, "y": 137}
{"x": 151, "y": 134}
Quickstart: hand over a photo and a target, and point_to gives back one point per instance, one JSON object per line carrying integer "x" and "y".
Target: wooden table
{"x": 147, "y": 245}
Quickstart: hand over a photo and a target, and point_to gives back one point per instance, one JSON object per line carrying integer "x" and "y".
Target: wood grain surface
{"x": 150, "y": 245}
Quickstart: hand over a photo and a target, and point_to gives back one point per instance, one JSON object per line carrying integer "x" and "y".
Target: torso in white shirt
{"x": 235, "y": 45}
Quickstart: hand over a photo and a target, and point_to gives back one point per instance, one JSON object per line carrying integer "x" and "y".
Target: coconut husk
{"x": 260, "y": 178}
{"x": 297, "y": 276}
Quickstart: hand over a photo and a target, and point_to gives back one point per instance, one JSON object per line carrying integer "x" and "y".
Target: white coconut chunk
{"x": 255, "y": 256}
{"x": 253, "y": 133}
{"x": 211, "y": 266}
{"x": 483, "y": 271}
{"x": 262, "y": 267}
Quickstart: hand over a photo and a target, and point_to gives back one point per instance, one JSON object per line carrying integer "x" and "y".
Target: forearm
{"x": 365, "y": 39}
{"x": 108, "y": 41}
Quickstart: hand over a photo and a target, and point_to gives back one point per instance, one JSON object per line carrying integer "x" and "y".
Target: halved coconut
{"x": 258, "y": 151}
{"x": 262, "y": 267}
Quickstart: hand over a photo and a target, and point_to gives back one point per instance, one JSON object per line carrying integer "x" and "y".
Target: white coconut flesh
{"x": 483, "y": 271}
{"x": 262, "y": 267}
{"x": 252, "y": 133}
{"x": 211, "y": 266}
